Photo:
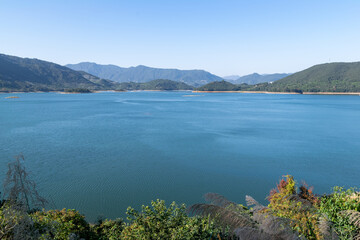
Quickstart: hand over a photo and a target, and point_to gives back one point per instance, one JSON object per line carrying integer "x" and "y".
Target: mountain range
{"x": 142, "y": 73}
{"x": 25, "y": 74}
{"x": 329, "y": 77}
{"x": 30, "y": 75}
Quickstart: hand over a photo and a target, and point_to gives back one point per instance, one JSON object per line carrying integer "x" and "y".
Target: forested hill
{"x": 223, "y": 86}
{"x": 328, "y": 77}
{"x": 25, "y": 74}
{"x": 256, "y": 78}
{"x": 145, "y": 74}
{"x": 158, "y": 84}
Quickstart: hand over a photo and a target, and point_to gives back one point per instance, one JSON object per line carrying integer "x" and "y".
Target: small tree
{"x": 19, "y": 189}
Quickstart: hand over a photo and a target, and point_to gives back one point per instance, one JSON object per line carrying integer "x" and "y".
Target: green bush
{"x": 108, "y": 229}
{"x": 335, "y": 205}
{"x": 61, "y": 224}
{"x": 159, "y": 222}
{"x": 286, "y": 203}
{"x": 15, "y": 223}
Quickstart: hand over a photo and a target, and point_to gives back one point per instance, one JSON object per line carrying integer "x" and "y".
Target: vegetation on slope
{"x": 158, "y": 84}
{"x": 77, "y": 90}
{"x": 106, "y": 84}
{"x": 223, "y": 86}
{"x": 29, "y": 75}
{"x": 329, "y": 77}
{"x": 293, "y": 213}
{"x": 24, "y": 74}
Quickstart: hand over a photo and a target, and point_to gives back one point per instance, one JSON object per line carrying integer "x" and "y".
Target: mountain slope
{"x": 256, "y": 78}
{"x": 106, "y": 84}
{"x": 158, "y": 84}
{"x": 223, "y": 86}
{"x": 25, "y": 74}
{"x": 328, "y": 77}
{"x": 144, "y": 74}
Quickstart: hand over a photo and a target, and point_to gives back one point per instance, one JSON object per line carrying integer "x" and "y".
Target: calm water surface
{"x": 100, "y": 153}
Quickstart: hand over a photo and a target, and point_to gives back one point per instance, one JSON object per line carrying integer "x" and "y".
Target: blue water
{"x": 100, "y": 153}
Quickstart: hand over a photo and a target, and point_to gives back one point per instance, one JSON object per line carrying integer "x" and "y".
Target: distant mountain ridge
{"x": 27, "y": 74}
{"x": 256, "y": 78}
{"x": 142, "y": 73}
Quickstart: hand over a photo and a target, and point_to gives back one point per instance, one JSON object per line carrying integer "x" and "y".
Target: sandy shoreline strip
{"x": 265, "y": 92}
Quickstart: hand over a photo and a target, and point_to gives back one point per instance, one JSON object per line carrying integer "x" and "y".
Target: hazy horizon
{"x": 224, "y": 38}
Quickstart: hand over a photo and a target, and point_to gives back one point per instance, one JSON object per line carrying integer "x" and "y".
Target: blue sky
{"x": 221, "y": 36}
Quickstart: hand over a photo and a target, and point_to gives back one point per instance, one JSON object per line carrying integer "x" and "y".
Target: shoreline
{"x": 194, "y": 91}
{"x": 265, "y": 92}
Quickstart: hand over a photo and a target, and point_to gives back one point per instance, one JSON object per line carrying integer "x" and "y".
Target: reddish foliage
{"x": 307, "y": 193}
{"x": 280, "y": 187}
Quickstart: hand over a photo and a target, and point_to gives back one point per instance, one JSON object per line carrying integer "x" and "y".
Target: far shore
{"x": 194, "y": 91}
{"x": 265, "y": 92}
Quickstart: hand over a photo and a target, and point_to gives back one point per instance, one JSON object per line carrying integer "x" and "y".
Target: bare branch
{"x": 19, "y": 189}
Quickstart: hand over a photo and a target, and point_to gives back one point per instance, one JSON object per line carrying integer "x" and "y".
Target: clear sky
{"x": 224, "y": 37}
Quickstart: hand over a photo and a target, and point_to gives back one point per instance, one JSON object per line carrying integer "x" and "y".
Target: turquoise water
{"x": 100, "y": 153}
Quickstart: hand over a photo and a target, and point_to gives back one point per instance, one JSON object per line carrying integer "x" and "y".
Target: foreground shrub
{"x": 15, "y": 223}
{"x": 108, "y": 229}
{"x": 285, "y": 202}
{"x": 243, "y": 223}
{"x": 61, "y": 224}
{"x": 341, "y": 207}
{"x": 159, "y": 222}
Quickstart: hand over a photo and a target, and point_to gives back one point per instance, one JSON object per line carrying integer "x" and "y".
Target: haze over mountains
{"x": 142, "y": 73}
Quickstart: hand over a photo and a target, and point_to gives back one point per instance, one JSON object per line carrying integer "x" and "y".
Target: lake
{"x": 100, "y": 153}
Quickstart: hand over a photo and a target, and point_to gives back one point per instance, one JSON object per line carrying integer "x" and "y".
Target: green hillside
{"x": 329, "y": 77}
{"x": 107, "y": 84}
{"x": 159, "y": 84}
{"x": 223, "y": 86}
{"x": 28, "y": 75}
{"x": 24, "y": 74}
{"x": 144, "y": 74}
